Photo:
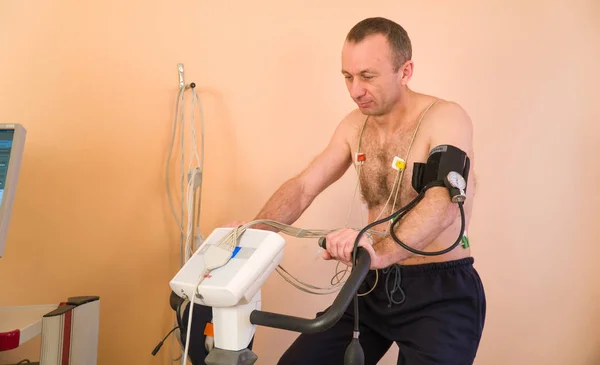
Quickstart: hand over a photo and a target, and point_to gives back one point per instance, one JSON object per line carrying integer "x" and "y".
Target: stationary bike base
{"x": 218, "y": 356}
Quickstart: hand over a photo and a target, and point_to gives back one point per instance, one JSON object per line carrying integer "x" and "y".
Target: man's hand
{"x": 341, "y": 243}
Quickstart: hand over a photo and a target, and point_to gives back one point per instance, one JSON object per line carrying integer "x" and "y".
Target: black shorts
{"x": 434, "y": 312}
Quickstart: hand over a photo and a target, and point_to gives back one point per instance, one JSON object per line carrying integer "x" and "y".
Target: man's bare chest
{"x": 386, "y": 172}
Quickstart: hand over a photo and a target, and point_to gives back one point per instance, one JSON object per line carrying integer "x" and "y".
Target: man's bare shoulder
{"x": 447, "y": 117}
{"x": 355, "y": 116}
{"x": 353, "y": 121}
{"x": 345, "y": 132}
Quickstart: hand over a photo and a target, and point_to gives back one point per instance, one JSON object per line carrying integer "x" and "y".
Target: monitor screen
{"x": 12, "y": 142}
{"x": 6, "y": 141}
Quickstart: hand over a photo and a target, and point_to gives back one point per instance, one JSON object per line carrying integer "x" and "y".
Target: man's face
{"x": 369, "y": 71}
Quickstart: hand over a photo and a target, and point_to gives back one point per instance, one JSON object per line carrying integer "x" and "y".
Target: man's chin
{"x": 369, "y": 111}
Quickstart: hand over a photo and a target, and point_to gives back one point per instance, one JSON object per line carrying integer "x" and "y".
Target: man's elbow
{"x": 447, "y": 210}
{"x": 307, "y": 193}
{"x": 452, "y": 213}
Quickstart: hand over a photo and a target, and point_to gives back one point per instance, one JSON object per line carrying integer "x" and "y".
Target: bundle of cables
{"x": 188, "y": 218}
{"x": 190, "y": 163}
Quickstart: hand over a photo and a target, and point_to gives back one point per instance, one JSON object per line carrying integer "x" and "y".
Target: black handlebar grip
{"x": 331, "y": 316}
{"x": 323, "y": 243}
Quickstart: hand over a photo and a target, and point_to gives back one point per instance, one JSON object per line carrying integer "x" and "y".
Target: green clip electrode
{"x": 465, "y": 242}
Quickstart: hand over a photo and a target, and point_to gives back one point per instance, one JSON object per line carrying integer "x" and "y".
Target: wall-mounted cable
{"x": 184, "y": 171}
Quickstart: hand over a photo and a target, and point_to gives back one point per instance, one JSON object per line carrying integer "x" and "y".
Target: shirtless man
{"x": 433, "y": 307}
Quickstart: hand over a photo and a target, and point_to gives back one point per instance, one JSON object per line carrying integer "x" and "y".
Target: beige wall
{"x": 95, "y": 84}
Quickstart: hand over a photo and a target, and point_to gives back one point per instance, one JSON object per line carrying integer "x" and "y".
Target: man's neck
{"x": 400, "y": 115}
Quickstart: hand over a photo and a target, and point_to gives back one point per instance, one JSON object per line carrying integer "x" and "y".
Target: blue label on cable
{"x": 235, "y": 251}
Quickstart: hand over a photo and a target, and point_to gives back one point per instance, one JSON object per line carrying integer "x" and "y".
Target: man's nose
{"x": 356, "y": 89}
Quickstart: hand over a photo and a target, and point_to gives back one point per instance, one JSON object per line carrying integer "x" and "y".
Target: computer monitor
{"x": 12, "y": 142}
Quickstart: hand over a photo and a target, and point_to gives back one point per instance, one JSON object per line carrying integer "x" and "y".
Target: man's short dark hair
{"x": 396, "y": 36}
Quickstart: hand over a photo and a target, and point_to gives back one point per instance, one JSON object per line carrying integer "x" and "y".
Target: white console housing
{"x": 233, "y": 290}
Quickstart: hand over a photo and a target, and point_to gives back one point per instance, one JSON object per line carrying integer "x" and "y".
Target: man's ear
{"x": 405, "y": 72}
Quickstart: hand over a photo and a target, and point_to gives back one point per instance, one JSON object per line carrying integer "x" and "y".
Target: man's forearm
{"x": 419, "y": 227}
{"x": 285, "y": 205}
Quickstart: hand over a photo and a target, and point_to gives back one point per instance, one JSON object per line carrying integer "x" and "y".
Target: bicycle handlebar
{"x": 333, "y": 313}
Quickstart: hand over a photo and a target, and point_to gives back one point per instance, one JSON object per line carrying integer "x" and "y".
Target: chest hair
{"x": 377, "y": 176}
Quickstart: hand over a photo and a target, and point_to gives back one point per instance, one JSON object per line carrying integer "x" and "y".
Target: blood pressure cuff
{"x": 442, "y": 159}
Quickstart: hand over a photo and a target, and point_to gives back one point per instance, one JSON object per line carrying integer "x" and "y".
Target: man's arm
{"x": 449, "y": 124}
{"x": 296, "y": 194}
